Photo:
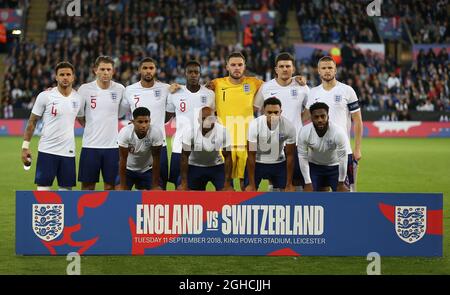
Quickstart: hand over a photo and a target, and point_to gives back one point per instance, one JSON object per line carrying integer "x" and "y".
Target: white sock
{"x": 299, "y": 188}
{"x": 43, "y": 188}
{"x": 64, "y": 188}
{"x": 276, "y": 190}
{"x": 270, "y": 188}
{"x": 352, "y": 187}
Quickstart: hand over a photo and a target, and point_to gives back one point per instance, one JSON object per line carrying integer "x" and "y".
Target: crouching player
{"x": 201, "y": 157}
{"x": 322, "y": 152}
{"x": 140, "y": 146}
{"x": 269, "y": 136}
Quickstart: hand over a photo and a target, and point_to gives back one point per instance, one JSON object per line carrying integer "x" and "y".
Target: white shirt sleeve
{"x": 39, "y": 104}
{"x": 305, "y": 96}
{"x": 123, "y": 138}
{"x": 309, "y": 100}
{"x": 341, "y": 144}
{"x": 81, "y": 112}
{"x": 186, "y": 139}
{"x": 253, "y": 131}
{"x": 157, "y": 137}
{"x": 211, "y": 99}
{"x": 170, "y": 107}
{"x": 302, "y": 149}
{"x": 291, "y": 135}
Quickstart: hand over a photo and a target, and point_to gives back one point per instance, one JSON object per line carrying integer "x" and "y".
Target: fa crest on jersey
{"x": 157, "y": 93}
{"x": 294, "y": 92}
{"x": 246, "y": 88}
{"x": 48, "y": 221}
{"x": 337, "y": 98}
{"x": 410, "y": 222}
{"x": 74, "y": 104}
{"x": 114, "y": 96}
{"x": 203, "y": 99}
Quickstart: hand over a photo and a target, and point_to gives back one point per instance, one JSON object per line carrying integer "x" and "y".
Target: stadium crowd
{"x": 166, "y": 31}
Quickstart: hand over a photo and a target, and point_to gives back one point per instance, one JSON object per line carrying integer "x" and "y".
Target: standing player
{"x": 184, "y": 104}
{"x": 268, "y": 136}
{"x": 140, "y": 149}
{"x": 151, "y": 94}
{"x": 322, "y": 149}
{"x": 58, "y": 108}
{"x": 293, "y": 98}
{"x": 344, "y": 107}
{"x": 235, "y": 107}
{"x": 201, "y": 159}
{"x": 99, "y": 113}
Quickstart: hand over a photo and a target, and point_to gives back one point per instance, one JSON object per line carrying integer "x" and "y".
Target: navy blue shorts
{"x": 276, "y": 173}
{"x": 94, "y": 160}
{"x": 174, "y": 172}
{"x": 142, "y": 180}
{"x": 198, "y": 177}
{"x": 164, "y": 169}
{"x": 49, "y": 166}
{"x": 323, "y": 176}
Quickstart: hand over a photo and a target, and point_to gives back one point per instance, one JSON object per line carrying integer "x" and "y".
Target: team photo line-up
{"x": 234, "y": 128}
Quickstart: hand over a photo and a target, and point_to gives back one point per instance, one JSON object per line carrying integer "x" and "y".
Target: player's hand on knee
{"x": 308, "y": 187}
{"x": 174, "y": 87}
{"x": 289, "y": 188}
{"x": 301, "y": 80}
{"x": 341, "y": 187}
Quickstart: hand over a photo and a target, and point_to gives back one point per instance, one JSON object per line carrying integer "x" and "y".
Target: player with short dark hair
{"x": 344, "y": 108}
{"x": 140, "y": 149}
{"x": 152, "y": 94}
{"x": 58, "y": 108}
{"x": 322, "y": 152}
{"x": 99, "y": 113}
{"x": 202, "y": 152}
{"x": 185, "y": 104}
{"x": 293, "y": 97}
{"x": 271, "y": 148}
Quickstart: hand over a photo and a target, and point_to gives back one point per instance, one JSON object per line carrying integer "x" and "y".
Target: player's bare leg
{"x": 88, "y": 186}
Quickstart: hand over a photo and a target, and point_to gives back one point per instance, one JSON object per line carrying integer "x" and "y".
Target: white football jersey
{"x": 329, "y": 150}
{"x": 153, "y": 98}
{"x": 206, "y": 151}
{"x": 293, "y": 99}
{"x": 270, "y": 143}
{"x": 342, "y": 102}
{"x": 101, "y": 109}
{"x": 140, "y": 157}
{"x": 58, "y": 114}
{"x": 187, "y": 105}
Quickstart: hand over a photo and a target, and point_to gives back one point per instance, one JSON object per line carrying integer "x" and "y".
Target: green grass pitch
{"x": 388, "y": 165}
